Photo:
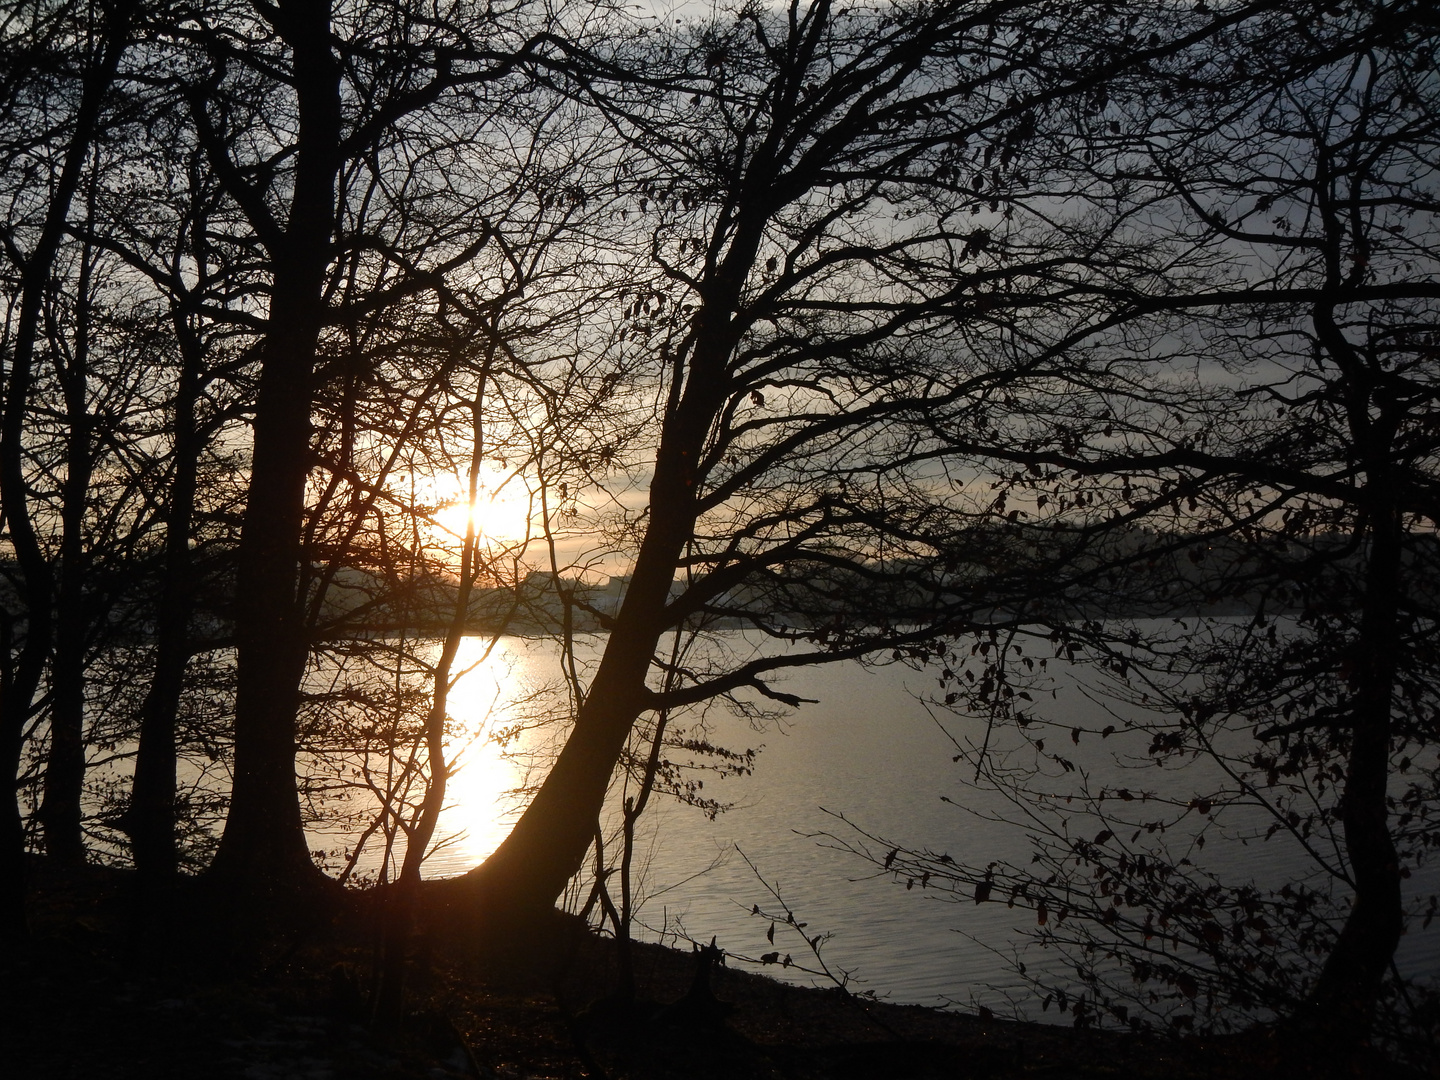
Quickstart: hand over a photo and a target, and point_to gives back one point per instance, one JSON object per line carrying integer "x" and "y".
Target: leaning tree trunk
{"x": 523, "y": 878}
{"x": 530, "y": 869}
{"x": 263, "y": 849}
{"x": 521, "y": 881}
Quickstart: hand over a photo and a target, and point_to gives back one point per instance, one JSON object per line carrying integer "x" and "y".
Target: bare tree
{"x": 1292, "y": 481}
{"x": 301, "y": 126}
{"x": 861, "y": 262}
{"x": 55, "y": 95}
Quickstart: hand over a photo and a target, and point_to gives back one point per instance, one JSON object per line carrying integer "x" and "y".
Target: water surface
{"x": 871, "y": 750}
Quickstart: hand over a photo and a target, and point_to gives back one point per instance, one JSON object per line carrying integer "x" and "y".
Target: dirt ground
{"x": 87, "y": 995}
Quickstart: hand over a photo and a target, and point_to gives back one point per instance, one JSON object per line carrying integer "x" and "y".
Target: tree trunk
{"x": 527, "y": 873}
{"x": 65, "y": 765}
{"x": 12, "y": 863}
{"x": 21, "y": 677}
{"x": 523, "y": 878}
{"x": 152, "y": 803}
{"x": 400, "y": 904}
{"x": 60, "y": 812}
{"x": 1341, "y": 1005}
{"x": 263, "y": 850}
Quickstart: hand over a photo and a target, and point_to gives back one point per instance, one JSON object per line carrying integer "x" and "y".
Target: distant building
{"x": 608, "y": 598}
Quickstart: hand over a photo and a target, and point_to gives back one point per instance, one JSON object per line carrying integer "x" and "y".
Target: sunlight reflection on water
{"x": 495, "y": 706}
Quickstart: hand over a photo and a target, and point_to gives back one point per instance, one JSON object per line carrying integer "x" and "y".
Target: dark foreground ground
{"x": 89, "y": 997}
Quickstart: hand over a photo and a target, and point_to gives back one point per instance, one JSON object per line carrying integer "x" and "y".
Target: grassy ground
{"x": 90, "y": 995}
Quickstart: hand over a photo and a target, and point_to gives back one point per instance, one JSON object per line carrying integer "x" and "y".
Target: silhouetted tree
{"x": 60, "y": 66}
{"x": 1291, "y": 478}
{"x": 335, "y": 89}
{"x": 859, "y": 265}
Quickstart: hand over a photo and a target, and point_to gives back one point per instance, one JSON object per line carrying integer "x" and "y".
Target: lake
{"x": 870, "y": 750}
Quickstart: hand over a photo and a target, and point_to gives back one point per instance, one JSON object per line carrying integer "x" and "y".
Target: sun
{"x": 501, "y": 514}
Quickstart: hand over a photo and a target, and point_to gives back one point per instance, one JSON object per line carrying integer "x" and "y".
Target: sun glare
{"x": 500, "y": 514}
